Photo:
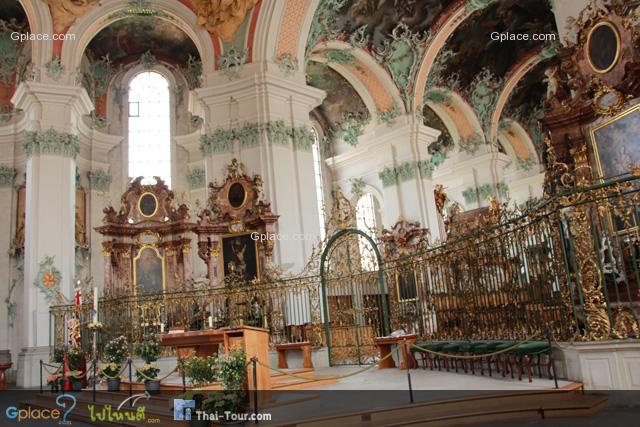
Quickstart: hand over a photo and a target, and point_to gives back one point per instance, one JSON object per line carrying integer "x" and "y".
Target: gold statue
{"x": 222, "y": 17}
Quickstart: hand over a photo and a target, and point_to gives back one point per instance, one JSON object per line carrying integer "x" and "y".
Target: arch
{"x": 517, "y": 72}
{"x": 455, "y": 16}
{"x": 40, "y": 21}
{"x": 369, "y": 79}
{"x": 89, "y": 24}
{"x": 460, "y": 113}
{"x": 293, "y": 19}
{"x": 519, "y": 145}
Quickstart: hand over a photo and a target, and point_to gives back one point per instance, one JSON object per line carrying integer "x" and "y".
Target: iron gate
{"x": 354, "y": 298}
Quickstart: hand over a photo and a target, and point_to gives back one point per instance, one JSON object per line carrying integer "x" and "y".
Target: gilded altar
{"x": 146, "y": 242}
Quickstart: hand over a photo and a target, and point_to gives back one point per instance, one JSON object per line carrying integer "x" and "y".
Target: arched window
{"x": 149, "y": 127}
{"x": 366, "y": 221}
{"x": 317, "y": 169}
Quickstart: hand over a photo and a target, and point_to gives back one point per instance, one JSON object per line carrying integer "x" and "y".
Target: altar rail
{"x": 569, "y": 263}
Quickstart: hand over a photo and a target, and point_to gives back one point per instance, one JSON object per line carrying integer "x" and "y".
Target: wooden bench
{"x": 304, "y": 347}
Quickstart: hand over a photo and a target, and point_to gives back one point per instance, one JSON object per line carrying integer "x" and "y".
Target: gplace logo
{"x": 182, "y": 409}
{"x": 29, "y": 413}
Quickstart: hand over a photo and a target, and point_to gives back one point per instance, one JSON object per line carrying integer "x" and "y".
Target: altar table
{"x": 304, "y": 347}
{"x": 384, "y": 345}
{"x": 254, "y": 342}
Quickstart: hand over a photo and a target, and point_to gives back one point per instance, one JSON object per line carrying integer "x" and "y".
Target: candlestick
{"x": 95, "y": 305}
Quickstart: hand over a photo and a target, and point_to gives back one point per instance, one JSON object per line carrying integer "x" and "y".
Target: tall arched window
{"x": 149, "y": 127}
{"x": 366, "y": 221}
{"x": 317, "y": 169}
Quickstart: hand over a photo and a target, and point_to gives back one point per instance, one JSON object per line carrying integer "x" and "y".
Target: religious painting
{"x": 81, "y": 217}
{"x": 18, "y": 241}
{"x": 615, "y": 143}
{"x": 240, "y": 257}
{"x": 148, "y": 204}
{"x": 603, "y": 47}
{"x": 406, "y": 285}
{"x": 148, "y": 271}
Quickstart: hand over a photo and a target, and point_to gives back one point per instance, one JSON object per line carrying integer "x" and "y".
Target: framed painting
{"x": 615, "y": 143}
{"x": 240, "y": 256}
{"x": 603, "y": 47}
{"x": 149, "y": 271}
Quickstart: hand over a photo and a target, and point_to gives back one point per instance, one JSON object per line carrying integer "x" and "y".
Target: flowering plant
{"x": 75, "y": 355}
{"x": 116, "y": 350}
{"x": 149, "y": 349}
{"x": 148, "y": 372}
{"x": 54, "y": 380}
{"x": 110, "y": 370}
{"x": 96, "y": 325}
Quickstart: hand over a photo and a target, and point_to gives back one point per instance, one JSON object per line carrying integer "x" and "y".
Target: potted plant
{"x": 55, "y": 382}
{"x": 149, "y": 351}
{"x": 115, "y": 353}
{"x": 232, "y": 372}
{"x": 75, "y": 377}
{"x": 201, "y": 371}
{"x": 75, "y": 357}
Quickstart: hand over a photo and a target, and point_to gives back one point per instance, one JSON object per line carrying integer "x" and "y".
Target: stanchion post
{"x": 254, "y": 363}
{"x": 95, "y": 362}
{"x": 130, "y": 383}
{"x": 408, "y": 368}
{"x": 553, "y": 365}
{"x": 184, "y": 379}
{"x": 40, "y": 376}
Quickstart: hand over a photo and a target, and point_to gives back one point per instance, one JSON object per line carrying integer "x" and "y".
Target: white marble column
{"x": 51, "y": 147}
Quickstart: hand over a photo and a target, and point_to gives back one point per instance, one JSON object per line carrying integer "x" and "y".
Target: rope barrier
{"x": 329, "y": 377}
{"x": 102, "y": 372}
{"x": 57, "y": 371}
{"x": 477, "y": 356}
{"x": 143, "y": 375}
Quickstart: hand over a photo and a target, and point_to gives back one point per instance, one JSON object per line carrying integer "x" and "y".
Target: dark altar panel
{"x": 240, "y": 256}
{"x": 149, "y": 271}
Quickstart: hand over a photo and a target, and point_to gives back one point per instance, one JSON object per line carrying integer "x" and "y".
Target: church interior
{"x": 321, "y": 195}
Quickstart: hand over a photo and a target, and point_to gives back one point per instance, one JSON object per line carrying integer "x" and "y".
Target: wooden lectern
{"x": 254, "y": 342}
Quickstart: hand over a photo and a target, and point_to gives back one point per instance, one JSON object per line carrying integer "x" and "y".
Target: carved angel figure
{"x": 222, "y": 17}
{"x": 65, "y": 12}
{"x": 551, "y": 80}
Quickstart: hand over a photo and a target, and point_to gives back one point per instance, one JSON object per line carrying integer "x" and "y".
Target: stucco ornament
{"x": 222, "y": 17}
{"x": 48, "y": 279}
{"x": 65, "y": 12}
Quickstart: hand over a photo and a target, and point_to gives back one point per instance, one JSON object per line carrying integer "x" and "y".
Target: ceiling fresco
{"x": 444, "y": 141}
{"x": 341, "y": 98}
{"x": 12, "y": 12}
{"x": 125, "y": 40}
{"x": 473, "y": 50}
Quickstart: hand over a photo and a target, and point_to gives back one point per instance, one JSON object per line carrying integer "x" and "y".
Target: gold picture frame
{"x": 224, "y": 258}
{"x": 137, "y": 260}
{"x": 155, "y": 211}
{"x": 245, "y": 197}
{"x": 587, "y": 47}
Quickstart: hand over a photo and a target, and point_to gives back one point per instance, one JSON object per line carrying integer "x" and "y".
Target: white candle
{"x": 162, "y": 328}
{"x": 95, "y": 305}
{"x": 210, "y": 321}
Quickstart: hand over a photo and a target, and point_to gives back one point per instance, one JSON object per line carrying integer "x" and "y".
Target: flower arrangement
{"x": 232, "y": 372}
{"x": 116, "y": 351}
{"x": 75, "y": 356}
{"x": 95, "y": 326}
{"x": 201, "y": 370}
{"x": 54, "y": 380}
{"x": 149, "y": 351}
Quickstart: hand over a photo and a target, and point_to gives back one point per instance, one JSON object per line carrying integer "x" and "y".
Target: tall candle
{"x": 210, "y": 321}
{"x": 162, "y": 328}
{"x": 95, "y": 305}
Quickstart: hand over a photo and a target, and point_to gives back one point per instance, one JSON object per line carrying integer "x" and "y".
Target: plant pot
{"x": 76, "y": 385}
{"x": 113, "y": 384}
{"x": 152, "y": 386}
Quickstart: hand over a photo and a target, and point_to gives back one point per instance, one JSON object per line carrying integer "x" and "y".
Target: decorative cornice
{"x": 7, "y": 176}
{"x": 406, "y": 171}
{"x": 278, "y": 132}
{"x": 196, "y": 178}
{"x": 51, "y": 142}
{"x": 99, "y": 180}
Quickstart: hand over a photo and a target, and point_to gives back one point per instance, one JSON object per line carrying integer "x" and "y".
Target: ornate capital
{"x": 99, "y": 180}
{"x": 51, "y": 142}
{"x": 7, "y": 176}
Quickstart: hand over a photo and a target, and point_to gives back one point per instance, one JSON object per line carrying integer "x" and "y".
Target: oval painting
{"x": 236, "y": 195}
{"x": 603, "y": 47}
{"x": 148, "y": 204}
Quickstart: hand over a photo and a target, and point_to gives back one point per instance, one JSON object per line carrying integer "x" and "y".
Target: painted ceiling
{"x": 12, "y": 12}
{"x": 341, "y": 97}
{"x": 125, "y": 40}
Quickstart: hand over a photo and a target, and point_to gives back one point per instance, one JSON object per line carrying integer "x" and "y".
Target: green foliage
{"x": 75, "y": 355}
{"x": 149, "y": 349}
{"x": 201, "y": 371}
{"x": 233, "y": 370}
{"x": 146, "y": 372}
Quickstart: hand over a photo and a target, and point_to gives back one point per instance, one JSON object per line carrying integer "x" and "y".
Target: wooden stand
{"x": 304, "y": 347}
{"x": 254, "y": 342}
{"x": 3, "y": 378}
{"x": 384, "y": 345}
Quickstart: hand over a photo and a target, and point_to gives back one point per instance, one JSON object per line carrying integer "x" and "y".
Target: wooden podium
{"x": 254, "y": 342}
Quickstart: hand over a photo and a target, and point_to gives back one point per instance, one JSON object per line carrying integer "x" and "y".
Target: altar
{"x": 254, "y": 342}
